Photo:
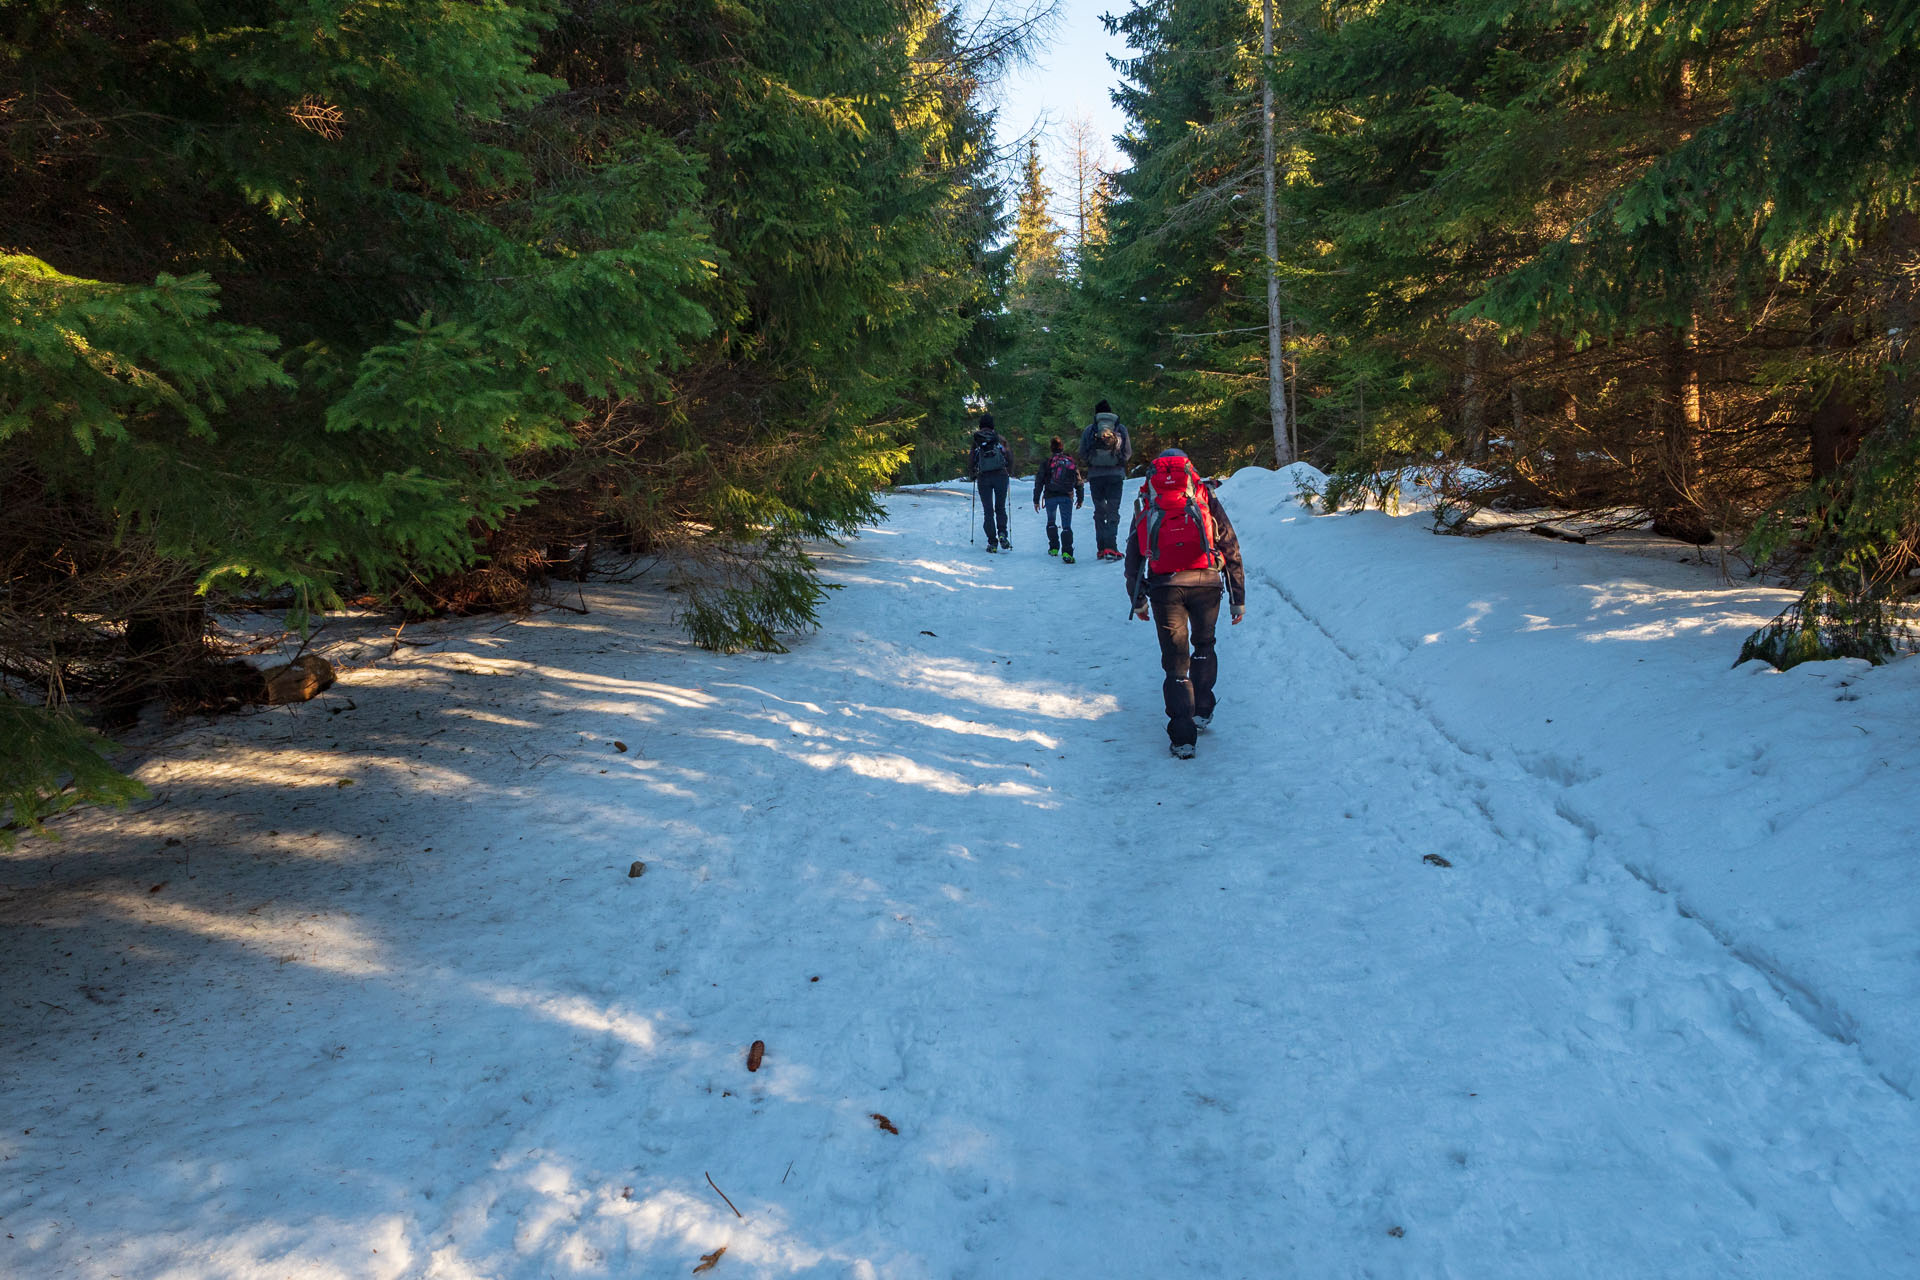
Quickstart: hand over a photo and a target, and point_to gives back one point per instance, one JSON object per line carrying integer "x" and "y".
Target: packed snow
{"x": 1501, "y": 928}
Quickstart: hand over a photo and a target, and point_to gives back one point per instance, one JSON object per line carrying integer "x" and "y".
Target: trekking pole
{"x": 972, "y": 492}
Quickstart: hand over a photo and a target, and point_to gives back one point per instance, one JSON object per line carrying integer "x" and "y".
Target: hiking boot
{"x": 1005, "y": 545}
{"x": 1066, "y": 557}
{"x": 1203, "y": 722}
{"x": 990, "y": 548}
{"x": 1054, "y": 551}
{"x": 1182, "y": 750}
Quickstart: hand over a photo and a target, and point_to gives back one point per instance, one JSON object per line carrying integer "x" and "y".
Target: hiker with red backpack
{"x": 990, "y": 467}
{"x": 1104, "y": 450}
{"x": 1179, "y": 547}
{"x": 1058, "y": 484}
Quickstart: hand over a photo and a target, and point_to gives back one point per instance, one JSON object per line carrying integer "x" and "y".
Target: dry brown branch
{"x": 723, "y": 1195}
{"x": 318, "y": 116}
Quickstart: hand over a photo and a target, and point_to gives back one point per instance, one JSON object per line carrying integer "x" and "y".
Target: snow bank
{"x": 1774, "y": 807}
{"x": 1266, "y": 485}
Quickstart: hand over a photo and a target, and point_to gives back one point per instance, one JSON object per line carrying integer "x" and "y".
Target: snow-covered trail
{"x": 1130, "y": 1016}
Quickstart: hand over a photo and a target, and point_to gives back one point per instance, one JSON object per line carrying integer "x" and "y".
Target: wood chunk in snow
{"x": 1555, "y": 531}
{"x": 757, "y": 1052}
{"x": 884, "y": 1123}
{"x": 619, "y": 746}
{"x": 708, "y": 1261}
{"x": 1435, "y": 860}
{"x": 637, "y": 870}
{"x": 299, "y": 681}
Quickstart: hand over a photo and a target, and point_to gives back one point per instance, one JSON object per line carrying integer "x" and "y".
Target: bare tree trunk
{"x": 1841, "y": 419}
{"x": 1473, "y": 406}
{"x": 166, "y": 646}
{"x": 1276, "y": 371}
{"x": 1090, "y": 160}
{"x": 1900, "y": 304}
{"x": 1677, "y": 510}
{"x": 1293, "y": 398}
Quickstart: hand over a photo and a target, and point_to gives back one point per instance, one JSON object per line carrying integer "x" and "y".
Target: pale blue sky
{"x": 1068, "y": 76}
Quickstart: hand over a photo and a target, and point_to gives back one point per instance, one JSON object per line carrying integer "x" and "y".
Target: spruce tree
{"x": 1181, "y": 282}
{"x": 837, "y": 145}
{"x": 1036, "y": 237}
{"x": 284, "y": 311}
{"x": 1650, "y": 263}
{"x": 1021, "y": 386}
{"x": 300, "y": 304}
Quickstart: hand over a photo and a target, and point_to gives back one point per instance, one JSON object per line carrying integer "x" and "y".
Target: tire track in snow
{"x": 1291, "y": 1008}
{"x": 1818, "y": 1010}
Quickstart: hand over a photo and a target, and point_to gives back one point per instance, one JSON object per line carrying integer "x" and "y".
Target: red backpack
{"x": 1175, "y": 524}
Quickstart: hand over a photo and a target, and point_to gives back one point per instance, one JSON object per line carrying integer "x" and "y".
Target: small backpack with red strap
{"x": 1062, "y": 471}
{"x": 1175, "y": 524}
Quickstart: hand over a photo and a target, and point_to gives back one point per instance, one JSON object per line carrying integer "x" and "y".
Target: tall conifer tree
{"x": 305, "y": 300}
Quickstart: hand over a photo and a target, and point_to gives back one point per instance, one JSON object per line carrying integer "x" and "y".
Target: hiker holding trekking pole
{"x": 1179, "y": 548}
{"x": 990, "y": 467}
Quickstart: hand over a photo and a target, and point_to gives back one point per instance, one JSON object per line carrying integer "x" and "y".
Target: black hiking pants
{"x": 1106, "y": 510}
{"x": 1183, "y": 619}
{"x": 993, "y": 505}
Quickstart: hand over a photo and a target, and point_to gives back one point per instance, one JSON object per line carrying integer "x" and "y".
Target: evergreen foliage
{"x": 1655, "y": 263}
{"x": 1036, "y": 238}
{"x": 1823, "y": 624}
{"x": 1182, "y": 277}
{"x": 48, "y": 766}
{"x": 304, "y": 299}
{"x": 838, "y": 152}
{"x": 1053, "y": 362}
{"x": 1020, "y": 388}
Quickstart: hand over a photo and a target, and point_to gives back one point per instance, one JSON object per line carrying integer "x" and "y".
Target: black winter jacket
{"x": 1069, "y": 484}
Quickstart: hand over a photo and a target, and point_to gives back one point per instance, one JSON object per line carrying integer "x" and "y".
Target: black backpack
{"x": 992, "y": 454}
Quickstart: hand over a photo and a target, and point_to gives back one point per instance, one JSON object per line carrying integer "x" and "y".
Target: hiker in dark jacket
{"x": 1057, "y": 483}
{"x": 990, "y": 467}
{"x": 1104, "y": 450}
{"x": 1175, "y": 566}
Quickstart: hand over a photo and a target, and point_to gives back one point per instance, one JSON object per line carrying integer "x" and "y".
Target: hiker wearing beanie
{"x": 1104, "y": 450}
{"x": 990, "y": 467}
{"x": 1057, "y": 483}
{"x": 1179, "y": 547}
